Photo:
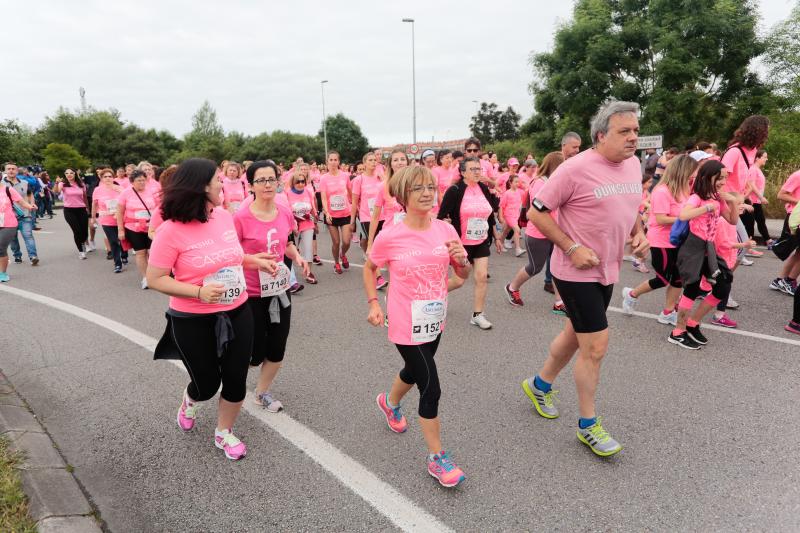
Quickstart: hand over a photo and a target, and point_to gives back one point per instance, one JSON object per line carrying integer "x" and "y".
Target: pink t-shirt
{"x": 724, "y": 240}
{"x": 661, "y": 203}
{"x": 418, "y": 265}
{"x": 106, "y": 199}
{"x": 705, "y": 226}
{"x": 73, "y": 196}
{"x": 337, "y": 189}
{"x": 280, "y": 199}
{"x": 502, "y": 179}
{"x": 7, "y": 217}
{"x": 367, "y": 188}
{"x": 792, "y": 186}
{"x": 759, "y": 182}
{"x": 391, "y": 211}
{"x": 137, "y": 217}
{"x": 314, "y": 175}
{"x": 302, "y": 207}
{"x": 511, "y": 205}
{"x": 154, "y": 188}
{"x": 487, "y": 169}
{"x": 474, "y": 209}
{"x": 530, "y": 229}
{"x": 196, "y": 250}
{"x": 234, "y": 192}
{"x": 597, "y": 202}
{"x": 737, "y": 167}
{"x": 257, "y": 236}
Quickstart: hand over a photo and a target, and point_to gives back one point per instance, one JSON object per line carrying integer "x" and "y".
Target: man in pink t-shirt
{"x": 597, "y": 195}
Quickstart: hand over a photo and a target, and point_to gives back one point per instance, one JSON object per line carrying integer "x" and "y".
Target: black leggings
{"x": 78, "y": 220}
{"x": 796, "y": 314}
{"x": 421, "y": 369}
{"x": 750, "y": 220}
{"x": 721, "y": 289}
{"x": 112, "y": 234}
{"x": 269, "y": 339}
{"x": 196, "y": 341}
{"x": 664, "y": 261}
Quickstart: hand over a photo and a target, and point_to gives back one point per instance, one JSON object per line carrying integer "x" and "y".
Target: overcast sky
{"x": 260, "y": 62}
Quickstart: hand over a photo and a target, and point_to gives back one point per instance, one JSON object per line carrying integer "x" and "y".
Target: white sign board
{"x": 651, "y": 141}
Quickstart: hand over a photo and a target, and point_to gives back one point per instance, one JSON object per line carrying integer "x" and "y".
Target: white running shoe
{"x": 519, "y": 252}
{"x": 628, "y": 258}
{"x": 745, "y": 262}
{"x": 480, "y": 321}
{"x": 508, "y": 244}
{"x": 628, "y": 302}
{"x": 144, "y": 283}
{"x": 82, "y": 255}
{"x": 732, "y": 304}
{"x": 670, "y": 319}
{"x": 90, "y": 246}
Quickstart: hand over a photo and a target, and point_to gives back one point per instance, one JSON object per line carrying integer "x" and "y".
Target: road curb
{"x": 56, "y": 500}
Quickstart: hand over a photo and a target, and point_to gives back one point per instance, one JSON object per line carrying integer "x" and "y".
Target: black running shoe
{"x": 694, "y": 333}
{"x": 684, "y": 341}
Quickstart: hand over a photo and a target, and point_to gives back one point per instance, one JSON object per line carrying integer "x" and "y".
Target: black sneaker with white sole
{"x": 696, "y": 335}
{"x": 684, "y": 341}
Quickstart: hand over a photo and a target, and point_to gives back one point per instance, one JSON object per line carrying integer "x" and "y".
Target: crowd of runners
{"x": 232, "y": 243}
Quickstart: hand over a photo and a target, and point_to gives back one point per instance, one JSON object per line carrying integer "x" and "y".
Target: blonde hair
{"x": 401, "y": 182}
{"x": 389, "y": 171}
{"x": 143, "y": 164}
{"x": 676, "y": 175}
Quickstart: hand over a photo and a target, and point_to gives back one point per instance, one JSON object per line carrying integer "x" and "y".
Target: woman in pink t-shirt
{"x": 334, "y": 187}
{"x": 209, "y": 324}
{"x": 135, "y": 207}
{"x": 265, "y": 226}
{"x": 234, "y": 187}
{"x": 104, "y": 210}
{"x": 510, "y": 205}
{"x": 445, "y": 172}
{"x": 387, "y": 211}
{"x": 366, "y": 189}
{"x": 469, "y": 207}
{"x": 697, "y": 256}
{"x": 756, "y": 181}
{"x": 666, "y": 203}
{"x": 76, "y": 212}
{"x": 9, "y": 198}
{"x": 301, "y": 200}
{"x": 418, "y": 252}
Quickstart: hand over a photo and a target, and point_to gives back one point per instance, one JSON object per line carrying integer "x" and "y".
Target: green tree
{"x": 283, "y": 146}
{"x": 59, "y": 157}
{"x": 507, "y": 127}
{"x": 206, "y": 139}
{"x": 518, "y": 148}
{"x": 96, "y": 134}
{"x": 782, "y": 57}
{"x": 484, "y": 122}
{"x": 150, "y": 145}
{"x": 16, "y": 143}
{"x": 345, "y": 137}
{"x": 686, "y": 63}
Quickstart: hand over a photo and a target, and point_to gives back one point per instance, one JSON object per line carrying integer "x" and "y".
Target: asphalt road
{"x": 710, "y": 437}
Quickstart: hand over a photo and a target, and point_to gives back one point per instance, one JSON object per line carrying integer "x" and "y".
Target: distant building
{"x": 456, "y": 144}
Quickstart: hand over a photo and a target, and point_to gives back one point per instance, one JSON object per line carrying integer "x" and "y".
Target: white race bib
{"x": 272, "y": 285}
{"x": 2, "y": 219}
{"x": 338, "y": 202}
{"x": 301, "y": 209}
{"x": 142, "y": 214}
{"x": 234, "y": 206}
{"x": 398, "y": 217}
{"x": 371, "y": 205}
{"x": 232, "y": 277}
{"x": 477, "y": 229}
{"x": 427, "y": 319}
{"x": 111, "y": 208}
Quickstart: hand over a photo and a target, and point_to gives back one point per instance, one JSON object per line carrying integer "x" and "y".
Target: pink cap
{"x": 513, "y": 161}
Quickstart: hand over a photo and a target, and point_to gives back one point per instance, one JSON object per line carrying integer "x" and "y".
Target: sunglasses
{"x": 300, "y": 181}
{"x": 472, "y": 150}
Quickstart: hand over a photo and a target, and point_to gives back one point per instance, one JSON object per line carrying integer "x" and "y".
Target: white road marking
{"x": 401, "y": 511}
{"x": 743, "y": 332}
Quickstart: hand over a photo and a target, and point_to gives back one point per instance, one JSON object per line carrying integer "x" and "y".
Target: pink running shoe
{"x": 724, "y": 321}
{"x": 234, "y": 448}
{"x": 187, "y": 413}
{"x": 444, "y": 470}
{"x": 394, "y": 418}
{"x": 380, "y": 282}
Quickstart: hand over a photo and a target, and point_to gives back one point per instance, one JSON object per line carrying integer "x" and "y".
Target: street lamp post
{"x": 324, "y": 122}
{"x": 413, "y": 78}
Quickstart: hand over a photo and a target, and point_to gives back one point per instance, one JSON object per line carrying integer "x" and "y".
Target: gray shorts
{"x": 6, "y": 236}
{"x": 539, "y": 251}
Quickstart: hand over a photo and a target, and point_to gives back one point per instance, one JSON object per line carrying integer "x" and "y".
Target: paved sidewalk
{"x": 56, "y": 500}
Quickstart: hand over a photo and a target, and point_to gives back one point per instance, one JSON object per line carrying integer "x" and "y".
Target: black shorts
{"x": 365, "y": 228}
{"x": 340, "y": 221}
{"x": 586, "y": 303}
{"x": 476, "y": 251}
{"x": 665, "y": 265}
{"x": 138, "y": 239}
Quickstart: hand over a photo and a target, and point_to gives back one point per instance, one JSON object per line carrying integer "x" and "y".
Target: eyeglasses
{"x": 472, "y": 150}
{"x": 417, "y": 189}
{"x": 474, "y": 169}
{"x": 262, "y": 181}
{"x": 297, "y": 182}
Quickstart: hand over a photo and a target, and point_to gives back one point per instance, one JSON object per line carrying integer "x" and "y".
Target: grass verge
{"x": 13, "y": 502}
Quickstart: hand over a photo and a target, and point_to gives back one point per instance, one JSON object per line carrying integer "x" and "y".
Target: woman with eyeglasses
{"x": 418, "y": 252}
{"x": 76, "y": 212}
{"x": 304, "y": 209}
{"x": 264, "y": 227}
{"x": 335, "y": 191}
{"x": 152, "y": 184}
{"x": 135, "y": 207}
{"x": 470, "y": 207}
{"x": 104, "y": 210}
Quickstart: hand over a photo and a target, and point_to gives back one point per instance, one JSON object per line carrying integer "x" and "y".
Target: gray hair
{"x": 599, "y": 123}
{"x": 570, "y": 135}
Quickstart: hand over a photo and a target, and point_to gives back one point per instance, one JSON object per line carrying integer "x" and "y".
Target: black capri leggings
{"x": 721, "y": 288}
{"x": 196, "y": 341}
{"x": 78, "y": 220}
{"x": 420, "y": 369}
{"x": 665, "y": 264}
{"x": 539, "y": 251}
{"x": 269, "y": 339}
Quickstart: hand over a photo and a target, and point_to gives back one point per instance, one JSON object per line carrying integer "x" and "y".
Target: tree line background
{"x": 697, "y": 68}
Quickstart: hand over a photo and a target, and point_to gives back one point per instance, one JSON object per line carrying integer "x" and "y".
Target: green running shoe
{"x": 598, "y": 439}
{"x": 542, "y": 401}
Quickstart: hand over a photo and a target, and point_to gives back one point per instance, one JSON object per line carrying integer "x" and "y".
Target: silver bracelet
{"x": 572, "y": 248}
